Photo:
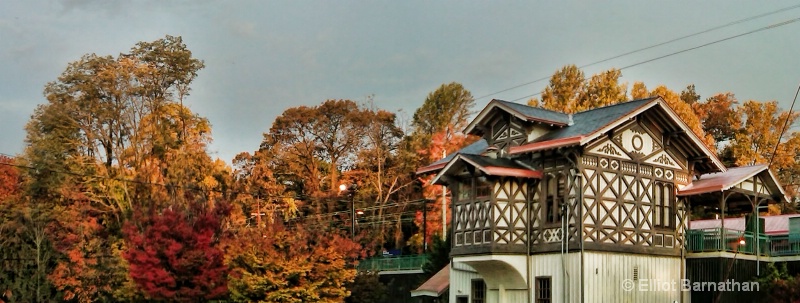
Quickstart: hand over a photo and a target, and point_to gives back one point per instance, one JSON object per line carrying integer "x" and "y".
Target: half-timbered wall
{"x": 629, "y": 190}
{"x": 506, "y": 131}
{"x": 554, "y": 203}
{"x": 489, "y": 214}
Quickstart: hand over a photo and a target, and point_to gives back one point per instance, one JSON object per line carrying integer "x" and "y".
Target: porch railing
{"x": 378, "y": 264}
{"x": 718, "y": 239}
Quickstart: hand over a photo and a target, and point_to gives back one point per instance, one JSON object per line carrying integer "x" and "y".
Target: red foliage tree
{"x": 175, "y": 255}
{"x": 9, "y": 178}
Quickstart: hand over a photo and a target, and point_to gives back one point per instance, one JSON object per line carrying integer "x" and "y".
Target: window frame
{"x": 539, "y": 296}
{"x": 475, "y": 291}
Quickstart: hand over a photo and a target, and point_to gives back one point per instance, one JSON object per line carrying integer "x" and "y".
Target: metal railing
{"x": 378, "y": 264}
{"x": 718, "y": 239}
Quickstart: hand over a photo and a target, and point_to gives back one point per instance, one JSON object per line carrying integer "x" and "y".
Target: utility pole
{"x": 444, "y": 204}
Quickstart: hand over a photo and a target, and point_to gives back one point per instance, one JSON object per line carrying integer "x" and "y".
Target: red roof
{"x": 773, "y": 225}
{"x": 549, "y": 144}
{"x": 720, "y": 181}
{"x": 436, "y": 285}
{"x": 512, "y": 172}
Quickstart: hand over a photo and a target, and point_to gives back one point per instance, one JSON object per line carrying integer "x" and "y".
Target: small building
{"x": 589, "y": 207}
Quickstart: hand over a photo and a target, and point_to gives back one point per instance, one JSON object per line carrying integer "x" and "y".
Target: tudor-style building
{"x": 551, "y": 207}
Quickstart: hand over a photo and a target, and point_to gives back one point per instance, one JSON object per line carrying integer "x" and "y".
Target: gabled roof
{"x": 717, "y": 182}
{"x": 490, "y": 166}
{"x": 436, "y": 285}
{"x": 523, "y": 112}
{"x": 591, "y": 124}
{"x": 476, "y": 148}
{"x": 586, "y": 126}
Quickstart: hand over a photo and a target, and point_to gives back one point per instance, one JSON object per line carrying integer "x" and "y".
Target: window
{"x": 663, "y": 205}
{"x": 464, "y": 189}
{"x": 554, "y": 193}
{"x": 543, "y": 290}
{"x": 478, "y": 291}
{"x": 483, "y": 188}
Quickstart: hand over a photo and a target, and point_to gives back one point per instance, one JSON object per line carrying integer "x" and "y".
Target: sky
{"x": 263, "y": 57}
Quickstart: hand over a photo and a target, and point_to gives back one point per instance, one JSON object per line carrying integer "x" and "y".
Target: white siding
{"x": 550, "y": 265}
{"x": 461, "y": 275}
{"x": 605, "y": 274}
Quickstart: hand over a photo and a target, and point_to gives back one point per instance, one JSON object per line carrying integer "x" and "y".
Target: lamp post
{"x": 351, "y": 191}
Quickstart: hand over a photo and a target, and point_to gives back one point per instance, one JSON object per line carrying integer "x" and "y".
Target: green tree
{"x": 689, "y": 95}
{"x": 438, "y": 256}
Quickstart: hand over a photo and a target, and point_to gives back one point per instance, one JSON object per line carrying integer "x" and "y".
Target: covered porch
{"x": 737, "y": 198}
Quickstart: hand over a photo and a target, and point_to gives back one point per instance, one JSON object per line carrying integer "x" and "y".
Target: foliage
{"x": 176, "y": 255}
{"x": 438, "y": 255}
{"x": 367, "y": 288}
{"x": 26, "y": 252}
{"x": 777, "y": 285}
{"x": 718, "y": 116}
{"x": 276, "y": 264}
{"x": 569, "y": 91}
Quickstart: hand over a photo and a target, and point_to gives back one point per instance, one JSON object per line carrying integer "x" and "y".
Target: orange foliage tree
{"x": 278, "y": 264}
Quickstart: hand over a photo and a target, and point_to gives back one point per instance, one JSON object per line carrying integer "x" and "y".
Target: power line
{"x": 295, "y": 218}
{"x": 783, "y": 129}
{"x": 650, "y": 47}
{"x": 787, "y": 22}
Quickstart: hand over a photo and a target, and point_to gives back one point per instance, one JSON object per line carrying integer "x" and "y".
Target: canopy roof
{"x": 436, "y": 285}
{"x": 489, "y": 166}
{"x": 722, "y": 181}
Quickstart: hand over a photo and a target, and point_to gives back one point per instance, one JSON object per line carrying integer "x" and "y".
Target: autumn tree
{"x": 760, "y": 132}
{"x": 685, "y": 112}
{"x": 438, "y": 130}
{"x": 718, "y": 116}
{"x": 113, "y": 132}
{"x": 311, "y": 144}
{"x": 176, "y": 255}
{"x": 10, "y": 179}
{"x": 276, "y": 264}
{"x": 569, "y": 91}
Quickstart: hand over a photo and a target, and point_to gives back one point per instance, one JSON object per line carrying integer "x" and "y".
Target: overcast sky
{"x": 263, "y": 57}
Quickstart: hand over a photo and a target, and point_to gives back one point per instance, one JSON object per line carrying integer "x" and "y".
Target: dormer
{"x": 506, "y": 124}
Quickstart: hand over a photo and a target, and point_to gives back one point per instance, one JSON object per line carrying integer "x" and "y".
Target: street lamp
{"x": 351, "y": 191}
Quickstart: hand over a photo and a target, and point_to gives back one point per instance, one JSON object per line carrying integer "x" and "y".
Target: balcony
{"x": 727, "y": 240}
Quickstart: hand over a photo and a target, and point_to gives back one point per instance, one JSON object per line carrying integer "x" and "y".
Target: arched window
{"x": 658, "y": 204}
{"x": 663, "y": 205}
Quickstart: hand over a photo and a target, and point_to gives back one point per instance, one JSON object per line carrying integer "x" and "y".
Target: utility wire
{"x": 787, "y": 22}
{"x": 153, "y": 184}
{"x": 783, "y": 129}
{"x": 651, "y": 46}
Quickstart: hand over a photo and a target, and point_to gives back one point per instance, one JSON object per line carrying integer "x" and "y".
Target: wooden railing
{"x": 378, "y": 264}
{"x": 718, "y": 239}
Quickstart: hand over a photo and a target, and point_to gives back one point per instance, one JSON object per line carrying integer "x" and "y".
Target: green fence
{"x": 377, "y": 264}
{"x": 718, "y": 239}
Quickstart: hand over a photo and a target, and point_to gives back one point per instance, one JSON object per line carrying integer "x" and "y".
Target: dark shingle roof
{"x": 475, "y": 148}
{"x": 587, "y": 122}
{"x": 496, "y": 162}
{"x": 537, "y": 113}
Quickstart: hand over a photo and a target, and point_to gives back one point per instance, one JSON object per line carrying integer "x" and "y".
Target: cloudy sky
{"x": 263, "y": 57}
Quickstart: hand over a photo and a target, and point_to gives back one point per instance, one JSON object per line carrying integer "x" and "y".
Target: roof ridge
{"x": 618, "y": 104}
{"x": 536, "y": 107}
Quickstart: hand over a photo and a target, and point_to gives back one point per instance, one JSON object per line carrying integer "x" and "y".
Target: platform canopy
{"x": 740, "y": 188}
{"x": 436, "y": 285}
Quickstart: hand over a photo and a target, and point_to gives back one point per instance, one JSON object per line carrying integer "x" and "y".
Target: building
{"x": 586, "y": 207}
